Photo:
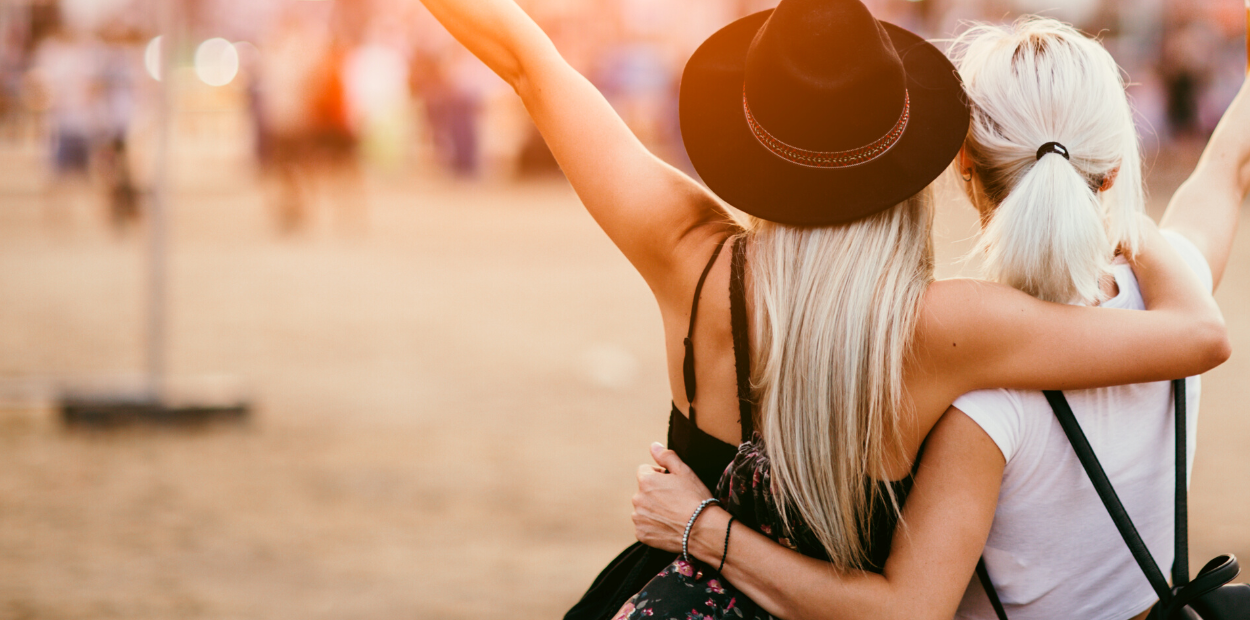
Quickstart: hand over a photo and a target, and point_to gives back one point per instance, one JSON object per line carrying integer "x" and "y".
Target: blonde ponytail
{"x": 1046, "y": 237}
{"x": 1052, "y": 232}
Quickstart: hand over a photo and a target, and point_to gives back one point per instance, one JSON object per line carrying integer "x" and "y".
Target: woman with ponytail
{"x": 1051, "y": 163}
{"x": 1052, "y": 133}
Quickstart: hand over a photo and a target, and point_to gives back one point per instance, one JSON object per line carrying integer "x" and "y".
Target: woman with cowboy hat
{"x": 1052, "y": 133}
{"x": 824, "y": 127}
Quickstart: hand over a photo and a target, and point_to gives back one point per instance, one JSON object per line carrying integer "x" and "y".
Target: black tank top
{"x": 710, "y": 457}
{"x": 705, "y": 454}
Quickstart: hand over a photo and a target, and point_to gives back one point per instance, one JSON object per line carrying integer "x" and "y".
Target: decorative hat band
{"x": 829, "y": 159}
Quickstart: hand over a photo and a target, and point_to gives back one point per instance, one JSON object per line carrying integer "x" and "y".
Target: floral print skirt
{"x": 695, "y": 591}
{"x": 690, "y": 591}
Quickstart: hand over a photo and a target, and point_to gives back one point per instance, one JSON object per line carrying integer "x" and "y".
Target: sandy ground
{"x": 451, "y": 402}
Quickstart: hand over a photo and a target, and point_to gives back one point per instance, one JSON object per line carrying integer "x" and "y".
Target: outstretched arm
{"x": 947, "y": 516}
{"x": 1206, "y": 207}
{"x": 651, "y": 211}
{"x": 978, "y": 335}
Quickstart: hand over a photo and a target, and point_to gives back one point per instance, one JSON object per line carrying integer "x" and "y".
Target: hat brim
{"x": 737, "y": 167}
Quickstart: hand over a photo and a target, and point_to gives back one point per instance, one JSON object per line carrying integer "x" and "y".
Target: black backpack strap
{"x": 1180, "y": 561}
{"x": 984, "y": 575}
{"x": 1109, "y": 498}
{"x": 1212, "y": 577}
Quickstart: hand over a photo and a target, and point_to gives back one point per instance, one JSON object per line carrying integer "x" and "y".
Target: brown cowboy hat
{"x": 816, "y": 113}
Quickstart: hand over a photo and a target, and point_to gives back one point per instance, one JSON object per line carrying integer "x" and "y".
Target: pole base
{"x": 105, "y": 412}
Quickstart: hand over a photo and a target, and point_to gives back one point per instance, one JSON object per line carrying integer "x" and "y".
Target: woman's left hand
{"x": 665, "y": 501}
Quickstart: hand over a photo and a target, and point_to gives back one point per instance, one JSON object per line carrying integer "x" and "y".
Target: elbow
{"x": 514, "y": 74}
{"x": 524, "y": 68}
{"x": 1215, "y": 344}
{"x": 1222, "y": 349}
{"x": 519, "y": 82}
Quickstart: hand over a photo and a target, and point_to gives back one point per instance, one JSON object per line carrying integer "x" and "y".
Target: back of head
{"x": 1052, "y": 232}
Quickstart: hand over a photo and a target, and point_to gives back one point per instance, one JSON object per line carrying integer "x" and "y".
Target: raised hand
{"x": 1206, "y": 208}
{"x": 664, "y": 222}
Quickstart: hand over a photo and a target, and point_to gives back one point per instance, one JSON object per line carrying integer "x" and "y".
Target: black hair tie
{"x": 1053, "y": 147}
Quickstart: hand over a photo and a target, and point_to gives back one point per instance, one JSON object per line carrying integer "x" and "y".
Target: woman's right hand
{"x": 665, "y": 500}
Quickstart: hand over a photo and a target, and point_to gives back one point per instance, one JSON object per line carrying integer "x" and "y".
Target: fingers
{"x": 657, "y": 449}
{"x": 644, "y": 471}
{"x": 667, "y": 459}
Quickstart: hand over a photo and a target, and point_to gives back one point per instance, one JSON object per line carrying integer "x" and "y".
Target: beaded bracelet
{"x": 724, "y": 554}
{"x": 685, "y": 538}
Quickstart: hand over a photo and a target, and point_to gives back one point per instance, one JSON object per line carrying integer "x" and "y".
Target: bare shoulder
{"x": 956, "y": 308}
{"x": 964, "y": 323}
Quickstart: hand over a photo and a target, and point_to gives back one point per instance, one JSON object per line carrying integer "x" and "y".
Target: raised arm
{"x": 1206, "y": 207}
{"x": 977, "y": 335}
{"x": 648, "y": 208}
{"x": 947, "y": 516}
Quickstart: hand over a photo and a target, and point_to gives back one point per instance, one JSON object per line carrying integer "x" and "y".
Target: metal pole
{"x": 158, "y": 206}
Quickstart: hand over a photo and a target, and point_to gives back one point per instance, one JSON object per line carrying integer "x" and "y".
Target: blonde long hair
{"x": 1052, "y": 233}
{"x": 836, "y": 311}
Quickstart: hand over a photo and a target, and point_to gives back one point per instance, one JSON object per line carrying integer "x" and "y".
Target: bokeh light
{"x": 152, "y": 58}
{"x": 216, "y": 62}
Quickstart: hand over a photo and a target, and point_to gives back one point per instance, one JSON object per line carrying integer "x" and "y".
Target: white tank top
{"x": 1053, "y": 551}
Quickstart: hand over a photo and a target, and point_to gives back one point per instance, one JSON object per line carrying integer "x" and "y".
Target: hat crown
{"x": 824, "y": 75}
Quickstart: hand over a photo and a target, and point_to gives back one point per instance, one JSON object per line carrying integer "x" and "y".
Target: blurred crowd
{"x": 308, "y": 90}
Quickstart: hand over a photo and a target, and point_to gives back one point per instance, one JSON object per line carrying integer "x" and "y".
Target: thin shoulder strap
{"x": 742, "y": 343}
{"x": 1108, "y": 495}
{"x": 687, "y": 366}
{"x": 1180, "y": 562}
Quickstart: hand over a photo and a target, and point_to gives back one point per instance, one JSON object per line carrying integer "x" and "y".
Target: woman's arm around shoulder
{"x": 975, "y": 335}
{"x": 946, "y": 520}
{"x": 661, "y": 219}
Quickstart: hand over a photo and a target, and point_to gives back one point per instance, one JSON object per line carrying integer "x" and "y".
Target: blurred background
{"x": 329, "y": 211}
